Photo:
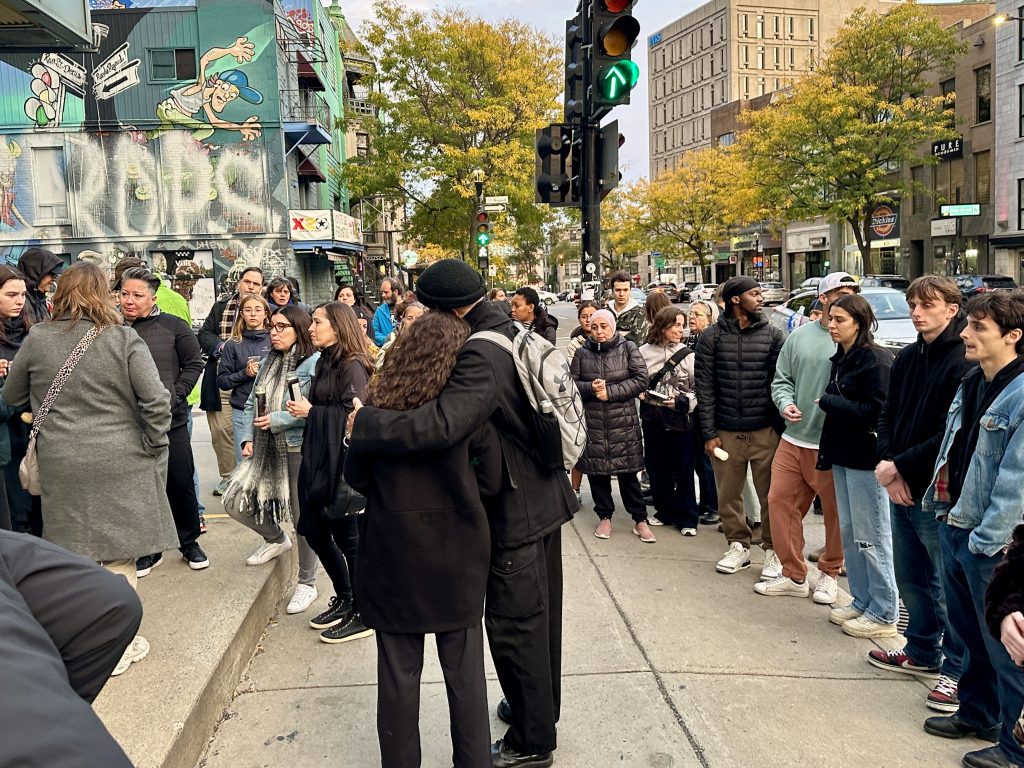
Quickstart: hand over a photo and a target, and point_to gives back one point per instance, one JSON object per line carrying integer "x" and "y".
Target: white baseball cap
{"x": 834, "y": 280}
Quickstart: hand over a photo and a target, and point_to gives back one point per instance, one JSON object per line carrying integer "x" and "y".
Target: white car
{"x": 703, "y": 292}
{"x": 895, "y": 328}
{"x": 547, "y": 297}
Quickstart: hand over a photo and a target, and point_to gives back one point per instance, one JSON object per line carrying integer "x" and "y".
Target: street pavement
{"x": 666, "y": 664}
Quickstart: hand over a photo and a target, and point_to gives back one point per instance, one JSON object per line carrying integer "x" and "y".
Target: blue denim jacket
{"x": 280, "y": 419}
{"x": 991, "y": 502}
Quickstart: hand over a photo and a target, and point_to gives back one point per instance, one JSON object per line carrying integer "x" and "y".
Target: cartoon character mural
{"x": 9, "y": 213}
{"x": 210, "y": 95}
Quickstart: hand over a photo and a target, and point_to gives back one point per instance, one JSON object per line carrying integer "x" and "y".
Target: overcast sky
{"x": 550, "y": 17}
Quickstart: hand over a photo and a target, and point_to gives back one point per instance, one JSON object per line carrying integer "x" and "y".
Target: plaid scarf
{"x": 227, "y": 320}
{"x": 258, "y": 488}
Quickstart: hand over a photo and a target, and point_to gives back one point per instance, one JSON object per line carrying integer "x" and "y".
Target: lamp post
{"x": 1002, "y": 18}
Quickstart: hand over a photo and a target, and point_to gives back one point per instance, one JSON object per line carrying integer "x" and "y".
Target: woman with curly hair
{"x": 423, "y": 567}
{"x": 342, "y": 374}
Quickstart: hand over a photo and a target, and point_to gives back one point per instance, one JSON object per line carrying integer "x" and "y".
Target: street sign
{"x": 496, "y": 199}
{"x": 494, "y": 207}
{"x": 962, "y": 209}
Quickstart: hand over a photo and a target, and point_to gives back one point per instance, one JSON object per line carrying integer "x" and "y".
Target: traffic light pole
{"x": 590, "y": 196}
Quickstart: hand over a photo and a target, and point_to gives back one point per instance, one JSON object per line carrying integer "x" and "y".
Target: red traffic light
{"x": 616, "y": 6}
{"x": 482, "y": 217}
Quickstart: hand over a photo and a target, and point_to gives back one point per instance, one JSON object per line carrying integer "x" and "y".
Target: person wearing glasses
{"x": 703, "y": 314}
{"x": 241, "y": 357}
{"x": 265, "y": 488}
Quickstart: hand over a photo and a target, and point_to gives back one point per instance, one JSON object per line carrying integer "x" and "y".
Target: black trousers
{"x": 5, "y": 511}
{"x": 669, "y": 459}
{"x": 523, "y": 617}
{"x": 336, "y": 543}
{"x": 64, "y": 623}
{"x": 705, "y": 473}
{"x": 181, "y": 490}
{"x": 629, "y": 490}
{"x": 399, "y": 665}
{"x": 25, "y": 509}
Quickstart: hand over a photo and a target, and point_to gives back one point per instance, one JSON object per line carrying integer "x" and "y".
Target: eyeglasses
{"x": 698, "y": 314}
{"x": 280, "y": 327}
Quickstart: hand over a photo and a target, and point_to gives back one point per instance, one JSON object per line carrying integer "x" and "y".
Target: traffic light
{"x": 554, "y": 153}
{"x": 614, "y": 30}
{"x": 573, "y": 100}
{"x": 483, "y": 228}
{"x": 481, "y": 261}
{"x": 608, "y": 174}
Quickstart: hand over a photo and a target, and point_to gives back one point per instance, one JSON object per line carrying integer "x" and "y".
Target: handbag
{"x": 667, "y": 418}
{"x": 347, "y": 502}
{"x": 28, "y": 470}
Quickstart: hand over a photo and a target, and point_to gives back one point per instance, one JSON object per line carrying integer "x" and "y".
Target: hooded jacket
{"x": 922, "y": 385}
{"x": 614, "y": 442}
{"x": 734, "y": 371}
{"x": 177, "y": 356}
{"x": 35, "y": 264}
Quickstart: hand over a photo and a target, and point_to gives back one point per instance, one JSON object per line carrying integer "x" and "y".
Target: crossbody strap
{"x": 62, "y": 377}
{"x": 669, "y": 366}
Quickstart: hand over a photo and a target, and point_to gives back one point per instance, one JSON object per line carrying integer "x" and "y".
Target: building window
{"x": 172, "y": 64}
{"x": 759, "y": 33}
{"x": 983, "y": 177}
{"x": 744, "y": 25}
{"x": 746, "y": 87}
{"x": 744, "y": 55}
{"x": 810, "y": 29}
{"x": 920, "y": 201}
{"x": 983, "y": 89}
{"x": 1020, "y": 204}
{"x": 775, "y": 26}
{"x": 760, "y": 57}
{"x": 50, "y": 183}
{"x": 792, "y": 58}
{"x": 727, "y": 139}
{"x": 1020, "y": 32}
{"x": 790, "y": 21}
{"x": 777, "y": 56}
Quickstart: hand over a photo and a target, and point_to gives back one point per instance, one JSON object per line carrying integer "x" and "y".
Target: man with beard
{"x": 384, "y": 318}
{"x": 735, "y": 365}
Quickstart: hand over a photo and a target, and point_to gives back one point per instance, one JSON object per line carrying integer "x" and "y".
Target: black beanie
{"x": 450, "y": 284}
{"x": 735, "y": 286}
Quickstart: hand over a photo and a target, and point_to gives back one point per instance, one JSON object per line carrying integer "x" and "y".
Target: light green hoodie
{"x": 801, "y": 376}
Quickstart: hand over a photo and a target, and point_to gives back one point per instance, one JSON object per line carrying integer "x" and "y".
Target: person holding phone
{"x": 240, "y": 359}
{"x": 264, "y": 490}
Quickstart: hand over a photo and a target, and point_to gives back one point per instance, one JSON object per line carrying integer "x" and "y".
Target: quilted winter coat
{"x": 614, "y": 441}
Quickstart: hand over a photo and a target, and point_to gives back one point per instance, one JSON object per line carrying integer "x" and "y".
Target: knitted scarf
{"x": 259, "y": 487}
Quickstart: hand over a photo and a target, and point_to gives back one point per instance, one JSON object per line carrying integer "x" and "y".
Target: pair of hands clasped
{"x": 297, "y": 408}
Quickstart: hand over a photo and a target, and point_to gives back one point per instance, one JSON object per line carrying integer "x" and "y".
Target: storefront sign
{"x": 943, "y": 227}
{"x": 743, "y": 243}
{"x": 885, "y": 224}
{"x": 807, "y": 240}
{"x": 948, "y": 149}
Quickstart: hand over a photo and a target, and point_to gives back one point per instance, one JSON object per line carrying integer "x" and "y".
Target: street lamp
{"x": 478, "y": 180}
{"x": 1002, "y": 18}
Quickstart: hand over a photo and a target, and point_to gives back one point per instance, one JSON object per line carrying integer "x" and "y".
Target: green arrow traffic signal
{"x": 618, "y": 79}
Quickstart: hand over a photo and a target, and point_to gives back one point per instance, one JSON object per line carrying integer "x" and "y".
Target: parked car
{"x": 670, "y": 290}
{"x": 703, "y": 292}
{"x": 637, "y": 295}
{"x": 773, "y": 293}
{"x": 899, "y": 282}
{"x": 806, "y": 285}
{"x": 565, "y": 295}
{"x": 972, "y": 285}
{"x": 547, "y": 297}
{"x": 895, "y": 328}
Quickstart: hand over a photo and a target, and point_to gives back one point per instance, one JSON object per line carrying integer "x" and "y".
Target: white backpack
{"x": 559, "y": 421}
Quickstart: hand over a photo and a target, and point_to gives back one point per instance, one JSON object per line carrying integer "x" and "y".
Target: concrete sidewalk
{"x": 666, "y": 663}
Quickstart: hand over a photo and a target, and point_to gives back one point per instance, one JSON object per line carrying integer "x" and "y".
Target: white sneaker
{"x": 843, "y": 614}
{"x": 269, "y": 551}
{"x": 689, "y": 531}
{"x": 826, "y": 590}
{"x": 304, "y": 596}
{"x": 772, "y": 567}
{"x": 736, "y": 558}
{"x": 782, "y": 585}
{"x": 862, "y": 626}
{"x": 136, "y": 651}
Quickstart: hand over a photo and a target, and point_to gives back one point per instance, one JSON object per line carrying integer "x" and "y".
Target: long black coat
{"x": 734, "y": 369}
{"x": 853, "y": 399}
{"x": 425, "y": 543}
{"x": 533, "y": 501}
{"x": 210, "y": 341}
{"x": 614, "y": 441}
{"x": 1005, "y": 593}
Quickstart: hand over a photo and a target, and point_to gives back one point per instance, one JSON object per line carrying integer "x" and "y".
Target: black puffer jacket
{"x": 614, "y": 441}
{"x": 924, "y": 381}
{"x": 852, "y": 401}
{"x": 734, "y": 371}
{"x": 178, "y": 358}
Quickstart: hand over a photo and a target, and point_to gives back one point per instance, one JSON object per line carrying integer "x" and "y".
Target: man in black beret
{"x": 523, "y": 613}
{"x": 734, "y": 367}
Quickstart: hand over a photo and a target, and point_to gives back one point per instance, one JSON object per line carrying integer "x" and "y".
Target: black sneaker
{"x": 195, "y": 557}
{"x": 709, "y": 516}
{"x": 337, "y": 611}
{"x": 352, "y": 628}
{"x": 147, "y": 563}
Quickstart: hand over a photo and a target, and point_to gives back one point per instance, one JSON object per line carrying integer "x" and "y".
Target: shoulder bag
{"x": 668, "y": 418}
{"x": 28, "y": 471}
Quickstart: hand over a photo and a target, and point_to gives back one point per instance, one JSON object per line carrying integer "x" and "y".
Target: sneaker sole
{"x": 336, "y": 622}
{"x": 145, "y": 572}
{"x": 266, "y": 560}
{"x": 904, "y": 670}
{"x": 134, "y": 660}
{"x": 940, "y": 707}
{"x": 781, "y": 594}
{"x": 884, "y": 632}
{"x": 839, "y": 622}
{"x": 727, "y": 570}
{"x": 356, "y": 636}
{"x": 651, "y": 540}
{"x": 293, "y": 609}
{"x": 198, "y": 566}
{"x": 823, "y": 599}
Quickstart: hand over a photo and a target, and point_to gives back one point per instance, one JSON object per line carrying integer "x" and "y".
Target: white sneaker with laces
{"x": 826, "y": 590}
{"x": 269, "y": 551}
{"x": 772, "y": 567}
{"x": 689, "y": 531}
{"x": 736, "y": 558}
{"x": 303, "y": 597}
{"x": 782, "y": 585}
{"x": 843, "y": 614}
{"x": 136, "y": 651}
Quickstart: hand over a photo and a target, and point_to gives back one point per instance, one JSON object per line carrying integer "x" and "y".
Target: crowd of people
{"x": 397, "y": 443}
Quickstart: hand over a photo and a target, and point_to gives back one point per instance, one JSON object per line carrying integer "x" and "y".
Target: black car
{"x": 972, "y": 285}
{"x": 899, "y": 282}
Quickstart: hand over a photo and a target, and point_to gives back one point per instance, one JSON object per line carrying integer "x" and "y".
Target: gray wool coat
{"x": 103, "y": 448}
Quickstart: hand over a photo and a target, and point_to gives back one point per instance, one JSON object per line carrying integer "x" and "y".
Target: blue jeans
{"x": 238, "y": 420}
{"x": 863, "y": 507}
{"x": 991, "y": 687}
{"x": 917, "y": 557}
{"x": 195, "y": 471}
